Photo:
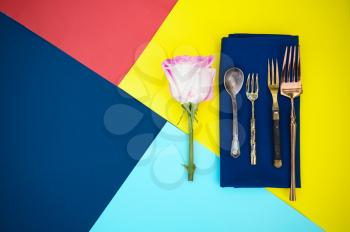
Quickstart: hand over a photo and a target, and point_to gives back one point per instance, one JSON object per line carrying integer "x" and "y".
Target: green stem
{"x": 191, "y": 110}
{"x": 191, "y": 167}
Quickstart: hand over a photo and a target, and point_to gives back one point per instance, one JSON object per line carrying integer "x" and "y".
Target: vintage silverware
{"x": 233, "y": 81}
{"x": 252, "y": 91}
{"x": 273, "y": 84}
{"x": 291, "y": 88}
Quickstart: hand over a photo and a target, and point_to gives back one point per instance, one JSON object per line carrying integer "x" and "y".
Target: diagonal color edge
{"x": 68, "y": 138}
{"x": 156, "y": 196}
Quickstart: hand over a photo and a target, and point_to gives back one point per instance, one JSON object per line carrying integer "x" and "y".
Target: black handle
{"x": 277, "y": 162}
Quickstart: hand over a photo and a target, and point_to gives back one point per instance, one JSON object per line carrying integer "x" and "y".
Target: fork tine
{"x": 289, "y": 63}
{"x": 277, "y": 74}
{"x": 268, "y": 72}
{"x": 257, "y": 83}
{"x": 247, "y": 83}
{"x": 299, "y": 74}
{"x": 272, "y": 73}
{"x": 284, "y": 65}
{"x": 294, "y": 64}
{"x": 252, "y": 84}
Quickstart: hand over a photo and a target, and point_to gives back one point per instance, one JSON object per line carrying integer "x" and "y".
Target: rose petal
{"x": 207, "y": 84}
{"x": 201, "y": 61}
{"x": 201, "y": 89}
{"x": 174, "y": 88}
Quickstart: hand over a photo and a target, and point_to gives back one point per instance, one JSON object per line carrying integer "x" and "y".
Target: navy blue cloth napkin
{"x": 250, "y": 53}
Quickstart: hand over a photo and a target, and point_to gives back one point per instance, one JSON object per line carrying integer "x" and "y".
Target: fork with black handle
{"x": 273, "y": 84}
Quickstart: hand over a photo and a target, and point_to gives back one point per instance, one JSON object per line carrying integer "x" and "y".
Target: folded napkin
{"x": 250, "y": 53}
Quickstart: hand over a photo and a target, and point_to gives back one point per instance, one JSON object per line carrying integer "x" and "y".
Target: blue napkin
{"x": 250, "y": 53}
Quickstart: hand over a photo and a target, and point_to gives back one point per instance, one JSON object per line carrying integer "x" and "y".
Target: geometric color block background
{"x": 125, "y": 43}
{"x": 157, "y": 197}
{"x": 68, "y": 138}
{"x": 107, "y": 36}
{"x": 196, "y": 27}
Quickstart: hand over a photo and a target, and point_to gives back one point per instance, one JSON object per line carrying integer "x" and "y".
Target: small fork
{"x": 291, "y": 88}
{"x": 273, "y": 84}
{"x": 252, "y": 90}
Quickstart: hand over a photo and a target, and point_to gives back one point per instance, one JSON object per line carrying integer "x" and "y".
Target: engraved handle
{"x": 252, "y": 137}
{"x": 235, "y": 151}
{"x": 293, "y": 127}
{"x": 252, "y": 142}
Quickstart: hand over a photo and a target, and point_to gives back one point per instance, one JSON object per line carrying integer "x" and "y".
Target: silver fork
{"x": 291, "y": 88}
{"x": 252, "y": 91}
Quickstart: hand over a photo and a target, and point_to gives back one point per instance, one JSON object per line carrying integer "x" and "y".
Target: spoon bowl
{"x": 233, "y": 81}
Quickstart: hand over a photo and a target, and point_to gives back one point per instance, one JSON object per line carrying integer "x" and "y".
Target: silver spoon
{"x": 233, "y": 82}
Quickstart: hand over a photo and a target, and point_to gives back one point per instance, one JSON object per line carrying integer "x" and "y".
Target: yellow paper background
{"x": 196, "y": 27}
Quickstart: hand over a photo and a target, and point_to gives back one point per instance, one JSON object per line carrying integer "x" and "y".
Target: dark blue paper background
{"x": 250, "y": 53}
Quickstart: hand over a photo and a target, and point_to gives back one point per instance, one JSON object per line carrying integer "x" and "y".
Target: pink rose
{"x": 190, "y": 78}
{"x": 191, "y": 82}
